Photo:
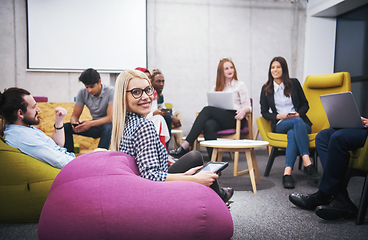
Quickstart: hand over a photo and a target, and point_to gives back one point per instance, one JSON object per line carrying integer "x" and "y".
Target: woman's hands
{"x": 192, "y": 170}
{"x": 240, "y": 114}
{"x": 282, "y": 116}
{"x": 205, "y": 178}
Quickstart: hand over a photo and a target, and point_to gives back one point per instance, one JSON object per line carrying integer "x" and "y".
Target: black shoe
{"x": 288, "y": 181}
{"x": 177, "y": 153}
{"x": 312, "y": 172}
{"x": 340, "y": 207}
{"x": 227, "y": 193}
{"x": 306, "y": 201}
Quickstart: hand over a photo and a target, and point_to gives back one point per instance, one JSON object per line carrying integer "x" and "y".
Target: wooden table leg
{"x": 236, "y": 161}
{"x": 219, "y": 155}
{"x": 248, "y": 155}
{"x": 255, "y": 166}
{"x": 214, "y": 155}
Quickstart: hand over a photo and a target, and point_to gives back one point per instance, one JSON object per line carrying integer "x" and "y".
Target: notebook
{"x": 341, "y": 110}
{"x": 221, "y": 100}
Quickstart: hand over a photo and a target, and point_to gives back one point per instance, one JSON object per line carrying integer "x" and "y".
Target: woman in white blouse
{"x": 212, "y": 119}
{"x": 285, "y": 98}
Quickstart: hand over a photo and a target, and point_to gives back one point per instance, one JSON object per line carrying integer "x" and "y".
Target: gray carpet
{"x": 268, "y": 214}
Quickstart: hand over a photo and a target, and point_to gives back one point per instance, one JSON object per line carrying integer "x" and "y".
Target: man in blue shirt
{"x": 98, "y": 98}
{"x": 20, "y": 111}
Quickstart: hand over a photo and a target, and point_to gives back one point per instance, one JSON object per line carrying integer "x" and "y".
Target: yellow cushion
{"x": 359, "y": 158}
{"x": 280, "y": 140}
{"x": 168, "y": 105}
{"x": 24, "y": 185}
{"x": 325, "y": 81}
{"x": 86, "y": 144}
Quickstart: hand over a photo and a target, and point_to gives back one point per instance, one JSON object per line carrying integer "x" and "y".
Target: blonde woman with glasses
{"x": 135, "y": 135}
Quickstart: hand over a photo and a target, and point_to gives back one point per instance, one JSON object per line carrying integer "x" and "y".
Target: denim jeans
{"x": 103, "y": 132}
{"x": 297, "y": 138}
{"x": 333, "y": 148}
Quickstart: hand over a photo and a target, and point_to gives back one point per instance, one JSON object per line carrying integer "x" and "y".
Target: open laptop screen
{"x": 341, "y": 110}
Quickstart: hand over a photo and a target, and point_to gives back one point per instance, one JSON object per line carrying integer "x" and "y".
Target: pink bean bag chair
{"x": 100, "y": 196}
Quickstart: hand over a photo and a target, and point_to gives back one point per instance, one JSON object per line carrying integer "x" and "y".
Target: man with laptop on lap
{"x": 332, "y": 201}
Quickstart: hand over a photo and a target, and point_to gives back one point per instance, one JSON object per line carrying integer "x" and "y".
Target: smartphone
{"x": 75, "y": 124}
{"x": 166, "y": 110}
{"x": 291, "y": 113}
{"x": 215, "y": 167}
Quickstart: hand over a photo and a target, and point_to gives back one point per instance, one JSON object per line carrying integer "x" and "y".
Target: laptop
{"x": 341, "y": 110}
{"x": 221, "y": 100}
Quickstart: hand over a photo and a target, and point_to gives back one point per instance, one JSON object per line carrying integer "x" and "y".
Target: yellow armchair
{"x": 314, "y": 86}
{"x": 317, "y": 85}
{"x": 24, "y": 185}
{"x": 359, "y": 163}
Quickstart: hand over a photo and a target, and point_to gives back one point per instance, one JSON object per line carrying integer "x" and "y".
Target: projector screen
{"x": 72, "y": 35}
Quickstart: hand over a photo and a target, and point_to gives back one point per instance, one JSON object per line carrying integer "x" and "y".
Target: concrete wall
{"x": 186, "y": 40}
{"x": 320, "y": 39}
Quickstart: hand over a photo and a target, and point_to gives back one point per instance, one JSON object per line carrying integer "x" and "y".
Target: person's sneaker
{"x": 288, "y": 181}
{"x": 313, "y": 174}
{"x": 306, "y": 201}
{"x": 228, "y": 192}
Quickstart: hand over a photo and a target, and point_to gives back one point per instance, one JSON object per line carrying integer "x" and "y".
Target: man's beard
{"x": 31, "y": 121}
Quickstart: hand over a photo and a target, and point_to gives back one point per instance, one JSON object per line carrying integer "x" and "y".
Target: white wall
{"x": 320, "y": 39}
{"x": 320, "y": 46}
{"x": 186, "y": 40}
{"x": 321, "y": 33}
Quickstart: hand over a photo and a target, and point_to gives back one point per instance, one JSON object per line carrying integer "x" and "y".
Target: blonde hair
{"x": 119, "y": 105}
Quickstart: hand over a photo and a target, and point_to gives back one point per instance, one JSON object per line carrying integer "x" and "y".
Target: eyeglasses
{"x": 138, "y": 92}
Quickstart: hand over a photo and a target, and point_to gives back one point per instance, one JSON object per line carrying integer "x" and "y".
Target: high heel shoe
{"x": 177, "y": 153}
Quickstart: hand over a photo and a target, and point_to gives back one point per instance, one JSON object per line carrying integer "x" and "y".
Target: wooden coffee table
{"x": 246, "y": 146}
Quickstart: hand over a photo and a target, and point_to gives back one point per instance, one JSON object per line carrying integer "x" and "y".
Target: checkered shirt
{"x": 141, "y": 141}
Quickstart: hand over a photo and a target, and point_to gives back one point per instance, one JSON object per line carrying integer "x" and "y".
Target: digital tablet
{"x": 215, "y": 167}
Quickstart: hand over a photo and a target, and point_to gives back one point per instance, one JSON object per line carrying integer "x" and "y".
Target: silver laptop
{"x": 221, "y": 100}
{"x": 341, "y": 110}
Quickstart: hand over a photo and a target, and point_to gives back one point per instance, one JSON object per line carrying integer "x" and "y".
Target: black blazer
{"x": 298, "y": 98}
